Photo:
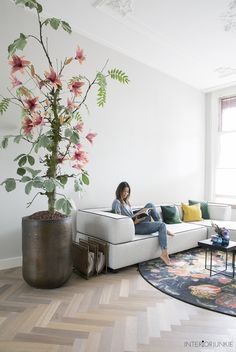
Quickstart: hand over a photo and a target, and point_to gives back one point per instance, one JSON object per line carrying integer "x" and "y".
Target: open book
{"x": 142, "y": 213}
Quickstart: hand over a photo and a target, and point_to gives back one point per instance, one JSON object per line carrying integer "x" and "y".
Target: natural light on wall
{"x": 225, "y": 177}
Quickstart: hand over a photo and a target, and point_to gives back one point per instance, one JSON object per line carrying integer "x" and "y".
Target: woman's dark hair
{"x": 120, "y": 189}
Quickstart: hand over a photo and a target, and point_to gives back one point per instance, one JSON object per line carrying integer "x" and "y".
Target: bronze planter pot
{"x": 46, "y": 249}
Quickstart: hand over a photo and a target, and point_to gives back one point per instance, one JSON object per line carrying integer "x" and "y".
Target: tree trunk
{"x": 52, "y": 162}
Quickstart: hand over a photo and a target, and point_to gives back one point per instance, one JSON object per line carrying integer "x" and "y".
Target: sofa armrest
{"x": 107, "y": 226}
{"x": 219, "y": 211}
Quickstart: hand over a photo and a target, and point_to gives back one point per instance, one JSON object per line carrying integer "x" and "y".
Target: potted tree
{"x": 52, "y": 129}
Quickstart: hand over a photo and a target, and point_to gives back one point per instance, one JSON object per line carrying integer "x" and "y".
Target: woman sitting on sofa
{"x": 143, "y": 226}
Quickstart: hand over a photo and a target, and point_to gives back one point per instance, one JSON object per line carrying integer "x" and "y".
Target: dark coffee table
{"x": 210, "y": 247}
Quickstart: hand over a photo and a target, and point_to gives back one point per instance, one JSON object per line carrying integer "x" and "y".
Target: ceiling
{"x": 185, "y": 39}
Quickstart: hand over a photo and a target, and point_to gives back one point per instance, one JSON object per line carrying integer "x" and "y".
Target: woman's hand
{"x": 137, "y": 220}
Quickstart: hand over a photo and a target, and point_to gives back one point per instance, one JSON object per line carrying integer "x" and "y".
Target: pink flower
{"x": 27, "y": 125}
{"x": 38, "y": 120}
{"x": 18, "y": 64}
{"x": 75, "y": 88}
{"x": 90, "y": 136}
{"x": 79, "y": 126}
{"x": 15, "y": 82}
{"x": 80, "y": 156}
{"x": 53, "y": 78}
{"x": 79, "y": 55}
{"x": 71, "y": 105}
{"x": 31, "y": 103}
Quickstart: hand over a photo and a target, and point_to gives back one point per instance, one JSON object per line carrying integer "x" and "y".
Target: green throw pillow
{"x": 170, "y": 214}
{"x": 204, "y": 208}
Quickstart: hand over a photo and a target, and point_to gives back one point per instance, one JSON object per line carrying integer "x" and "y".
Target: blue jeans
{"x": 146, "y": 227}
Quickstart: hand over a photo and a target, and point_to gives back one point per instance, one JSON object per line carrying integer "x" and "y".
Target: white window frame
{"x": 219, "y": 196}
{"x": 213, "y": 100}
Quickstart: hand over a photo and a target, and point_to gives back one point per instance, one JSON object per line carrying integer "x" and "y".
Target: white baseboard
{"x": 10, "y": 263}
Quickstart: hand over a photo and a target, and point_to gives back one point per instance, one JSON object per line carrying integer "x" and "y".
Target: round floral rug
{"x": 189, "y": 281}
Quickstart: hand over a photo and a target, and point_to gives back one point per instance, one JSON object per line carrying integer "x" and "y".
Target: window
{"x": 225, "y": 177}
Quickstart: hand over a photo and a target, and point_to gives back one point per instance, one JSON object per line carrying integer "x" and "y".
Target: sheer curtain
{"x": 225, "y": 180}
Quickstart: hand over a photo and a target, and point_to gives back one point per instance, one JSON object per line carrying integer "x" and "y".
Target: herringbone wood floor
{"x": 109, "y": 313}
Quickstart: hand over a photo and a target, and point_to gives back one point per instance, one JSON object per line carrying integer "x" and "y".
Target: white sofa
{"x": 126, "y": 248}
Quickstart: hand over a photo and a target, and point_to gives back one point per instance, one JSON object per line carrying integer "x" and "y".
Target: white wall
{"x": 150, "y": 133}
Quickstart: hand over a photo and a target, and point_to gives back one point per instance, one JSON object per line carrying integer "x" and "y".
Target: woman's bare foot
{"x": 165, "y": 260}
{"x": 165, "y": 257}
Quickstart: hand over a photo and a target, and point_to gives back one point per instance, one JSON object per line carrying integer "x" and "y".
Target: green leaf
{"x": 18, "y": 138}
{"x": 19, "y": 156}
{"x": 77, "y": 116}
{"x": 55, "y": 23}
{"x": 67, "y": 207}
{"x": 32, "y": 4}
{"x": 31, "y": 160}
{"x": 18, "y": 44}
{"x": 33, "y": 172}
{"x": 59, "y": 203}
{"x": 28, "y": 187}
{"x": 74, "y": 138}
{"x": 85, "y": 179}
{"x": 68, "y": 132}
{"x": 63, "y": 179}
{"x": 25, "y": 179}
{"x": 118, "y": 75}
{"x": 21, "y": 171}
{"x": 22, "y": 161}
{"x": 66, "y": 27}
{"x": 10, "y": 184}
{"x": 5, "y": 142}
{"x": 101, "y": 80}
{"x": 38, "y": 183}
{"x": 57, "y": 183}
{"x": 43, "y": 141}
{"x": 77, "y": 187}
{"x": 4, "y": 105}
{"x": 49, "y": 185}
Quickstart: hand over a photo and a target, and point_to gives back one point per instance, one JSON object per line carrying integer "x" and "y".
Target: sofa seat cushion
{"x": 183, "y": 227}
{"x": 176, "y": 229}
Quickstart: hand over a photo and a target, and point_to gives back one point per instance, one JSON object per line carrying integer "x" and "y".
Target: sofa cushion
{"x": 204, "y": 208}
{"x": 183, "y": 227}
{"x": 219, "y": 211}
{"x": 191, "y": 212}
{"x": 170, "y": 214}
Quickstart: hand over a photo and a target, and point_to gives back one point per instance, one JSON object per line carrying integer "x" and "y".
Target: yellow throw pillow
{"x": 191, "y": 212}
